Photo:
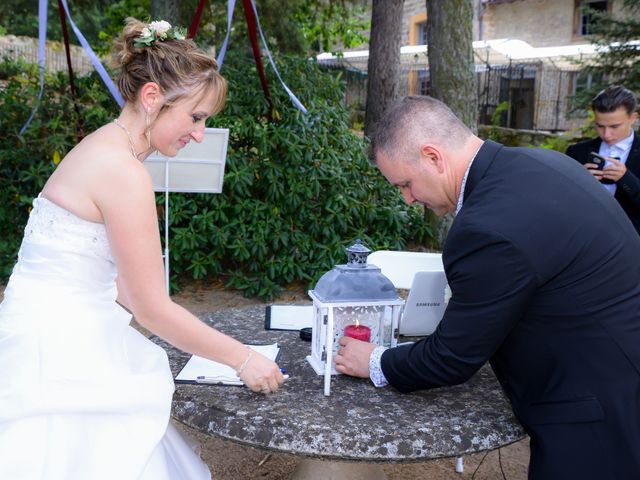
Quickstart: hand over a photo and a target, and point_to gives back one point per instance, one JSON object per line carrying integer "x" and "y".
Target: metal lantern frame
{"x": 322, "y": 338}
{"x": 344, "y": 292}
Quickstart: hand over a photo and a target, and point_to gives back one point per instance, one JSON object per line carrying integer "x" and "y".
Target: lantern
{"x": 355, "y": 299}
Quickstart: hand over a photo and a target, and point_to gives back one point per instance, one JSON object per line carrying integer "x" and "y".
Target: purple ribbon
{"x": 223, "y": 51}
{"x": 42, "y": 38}
{"x": 293, "y": 98}
{"x": 94, "y": 59}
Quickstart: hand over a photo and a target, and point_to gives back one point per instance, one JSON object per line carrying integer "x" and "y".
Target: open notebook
{"x": 202, "y": 370}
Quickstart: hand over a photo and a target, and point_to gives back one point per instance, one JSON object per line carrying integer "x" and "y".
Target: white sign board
{"x": 198, "y": 167}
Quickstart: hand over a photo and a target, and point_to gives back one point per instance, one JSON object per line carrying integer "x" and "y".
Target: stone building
{"x": 540, "y": 23}
{"x": 527, "y": 54}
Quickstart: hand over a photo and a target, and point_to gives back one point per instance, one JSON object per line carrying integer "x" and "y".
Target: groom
{"x": 544, "y": 270}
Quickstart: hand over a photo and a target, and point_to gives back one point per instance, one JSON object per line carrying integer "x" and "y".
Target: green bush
{"x": 27, "y": 162}
{"x": 296, "y": 190}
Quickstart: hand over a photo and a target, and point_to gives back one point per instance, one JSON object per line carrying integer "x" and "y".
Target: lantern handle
{"x": 357, "y": 255}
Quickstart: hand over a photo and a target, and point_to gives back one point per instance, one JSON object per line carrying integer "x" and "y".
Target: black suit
{"x": 545, "y": 273}
{"x": 628, "y": 187}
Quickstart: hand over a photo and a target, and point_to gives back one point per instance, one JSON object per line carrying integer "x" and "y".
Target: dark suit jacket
{"x": 544, "y": 268}
{"x": 628, "y": 191}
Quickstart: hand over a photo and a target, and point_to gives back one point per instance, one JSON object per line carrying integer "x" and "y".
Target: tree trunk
{"x": 452, "y": 76}
{"x": 384, "y": 60}
{"x": 168, "y": 10}
{"x": 452, "y": 73}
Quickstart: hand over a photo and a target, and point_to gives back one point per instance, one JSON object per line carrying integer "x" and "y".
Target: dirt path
{"x": 230, "y": 461}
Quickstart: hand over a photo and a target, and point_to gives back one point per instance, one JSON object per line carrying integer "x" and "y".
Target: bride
{"x": 83, "y": 394}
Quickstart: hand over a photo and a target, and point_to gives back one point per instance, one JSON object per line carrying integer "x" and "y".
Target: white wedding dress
{"x": 83, "y": 396}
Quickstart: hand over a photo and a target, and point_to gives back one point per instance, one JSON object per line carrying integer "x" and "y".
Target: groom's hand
{"x": 353, "y": 357}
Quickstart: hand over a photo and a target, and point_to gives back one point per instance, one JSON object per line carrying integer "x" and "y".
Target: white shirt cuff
{"x": 375, "y": 367}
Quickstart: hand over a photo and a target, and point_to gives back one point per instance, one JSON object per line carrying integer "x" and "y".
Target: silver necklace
{"x": 133, "y": 150}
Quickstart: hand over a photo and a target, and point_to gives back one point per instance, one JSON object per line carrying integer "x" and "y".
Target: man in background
{"x": 615, "y": 114}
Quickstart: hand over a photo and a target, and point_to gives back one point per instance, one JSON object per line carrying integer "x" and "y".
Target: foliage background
{"x": 296, "y": 192}
{"x": 291, "y": 26}
{"x": 618, "y": 60}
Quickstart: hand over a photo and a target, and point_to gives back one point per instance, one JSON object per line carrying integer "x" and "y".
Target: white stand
{"x": 198, "y": 168}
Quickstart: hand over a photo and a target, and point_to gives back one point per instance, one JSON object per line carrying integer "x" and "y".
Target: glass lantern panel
{"x": 319, "y": 329}
{"x": 387, "y": 326}
{"x": 365, "y": 323}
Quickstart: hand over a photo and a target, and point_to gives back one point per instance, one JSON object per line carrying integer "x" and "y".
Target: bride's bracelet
{"x": 244, "y": 364}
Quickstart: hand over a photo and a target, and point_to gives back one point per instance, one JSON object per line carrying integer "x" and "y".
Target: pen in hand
{"x": 222, "y": 380}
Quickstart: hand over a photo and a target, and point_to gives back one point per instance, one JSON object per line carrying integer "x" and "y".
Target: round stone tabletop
{"x": 357, "y": 422}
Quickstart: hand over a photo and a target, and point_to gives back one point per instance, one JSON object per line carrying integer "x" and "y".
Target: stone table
{"x": 358, "y": 422}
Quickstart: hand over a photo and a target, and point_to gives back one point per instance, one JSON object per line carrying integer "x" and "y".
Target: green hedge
{"x": 296, "y": 190}
{"x": 27, "y": 162}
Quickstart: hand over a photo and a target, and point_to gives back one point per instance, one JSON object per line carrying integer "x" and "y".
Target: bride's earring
{"x": 148, "y": 131}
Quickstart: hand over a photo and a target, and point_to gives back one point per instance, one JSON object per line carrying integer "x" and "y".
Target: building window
{"x": 418, "y": 29}
{"x": 423, "y": 82}
{"x": 586, "y": 81}
{"x": 582, "y": 87}
{"x": 585, "y": 17}
{"x": 423, "y": 34}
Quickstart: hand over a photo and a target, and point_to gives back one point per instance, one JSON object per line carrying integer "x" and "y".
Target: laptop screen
{"x": 425, "y": 305}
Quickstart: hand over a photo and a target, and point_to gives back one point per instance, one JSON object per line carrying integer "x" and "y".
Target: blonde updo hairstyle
{"x": 178, "y": 67}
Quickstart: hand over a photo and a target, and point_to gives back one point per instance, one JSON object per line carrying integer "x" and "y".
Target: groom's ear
{"x": 432, "y": 155}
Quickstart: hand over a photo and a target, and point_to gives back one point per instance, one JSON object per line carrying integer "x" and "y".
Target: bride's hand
{"x": 261, "y": 374}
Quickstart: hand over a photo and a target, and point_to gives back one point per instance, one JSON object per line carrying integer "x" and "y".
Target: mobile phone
{"x": 598, "y": 159}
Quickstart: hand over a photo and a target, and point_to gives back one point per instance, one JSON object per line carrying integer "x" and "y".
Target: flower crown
{"x": 159, "y": 30}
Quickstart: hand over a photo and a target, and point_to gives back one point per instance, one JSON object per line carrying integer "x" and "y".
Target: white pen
{"x": 220, "y": 380}
{"x": 223, "y": 380}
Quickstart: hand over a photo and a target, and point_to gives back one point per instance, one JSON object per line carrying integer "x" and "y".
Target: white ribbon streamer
{"x": 223, "y": 50}
{"x": 94, "y": 59}
{"x": 42, "y": 39}
{"x": 293, "y": 98}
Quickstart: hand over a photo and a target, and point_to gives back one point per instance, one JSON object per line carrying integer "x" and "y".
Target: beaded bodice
{"x": 53, "y": 225}
{"x": 63, "y": 258}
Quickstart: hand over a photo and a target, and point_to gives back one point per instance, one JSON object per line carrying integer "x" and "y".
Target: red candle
{"x": 359, "y": 332}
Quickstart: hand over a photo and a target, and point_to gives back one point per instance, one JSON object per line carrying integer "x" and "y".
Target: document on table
{"x": 288, "y": 317}
{"x": 202, "y": 370}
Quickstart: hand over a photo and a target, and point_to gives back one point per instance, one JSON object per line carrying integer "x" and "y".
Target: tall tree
{"x": 384, "y": 60}
{"x": 618, "y": 59}
{"x": 452, "y": 77}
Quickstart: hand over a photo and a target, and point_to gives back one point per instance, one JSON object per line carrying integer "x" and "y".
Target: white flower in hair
{"x": 447, "y": 294}
{"x": 161, "y": 27}
{"x": 159, "y": 30}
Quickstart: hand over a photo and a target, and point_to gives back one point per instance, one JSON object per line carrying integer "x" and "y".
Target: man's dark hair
{"x": 612, "y": 98}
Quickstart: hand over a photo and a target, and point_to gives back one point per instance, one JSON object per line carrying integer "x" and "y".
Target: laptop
{"x": 425, "y": 305}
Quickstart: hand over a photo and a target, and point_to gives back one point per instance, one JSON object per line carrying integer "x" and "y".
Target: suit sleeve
{"x": 630, "y": 185}
{"x": 492, "y": 285}
{"x": 574, "y": 152}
